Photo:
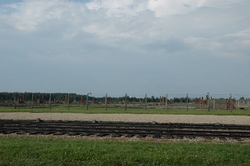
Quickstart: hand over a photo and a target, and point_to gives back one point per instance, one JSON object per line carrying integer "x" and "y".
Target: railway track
{"x": 117, "y": 129}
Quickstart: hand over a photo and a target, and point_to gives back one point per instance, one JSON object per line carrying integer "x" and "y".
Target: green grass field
{"x": 75, "y": 151}
{"x": 95, "y": 109}
{"x": 21, "y": 150}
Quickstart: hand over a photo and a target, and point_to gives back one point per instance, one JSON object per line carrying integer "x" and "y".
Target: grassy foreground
{"x": 68, "y": 151}
{"x": 93, "y": 109}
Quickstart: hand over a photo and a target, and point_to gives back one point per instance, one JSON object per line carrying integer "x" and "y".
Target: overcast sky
{"x": 133, "y": 46}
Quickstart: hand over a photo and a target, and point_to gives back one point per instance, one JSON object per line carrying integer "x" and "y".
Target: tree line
{"x": 73, "y": 97}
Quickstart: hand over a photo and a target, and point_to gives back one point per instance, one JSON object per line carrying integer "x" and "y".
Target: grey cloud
{"x": 235, "y": 44}
{"x": 71, "y": 45}
{"x": 170, "y": 45}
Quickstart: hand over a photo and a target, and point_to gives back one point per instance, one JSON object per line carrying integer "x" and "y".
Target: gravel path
{"x": 244, "y": 120}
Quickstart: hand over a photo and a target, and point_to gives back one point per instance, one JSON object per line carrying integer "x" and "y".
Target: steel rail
{"x": 170, "y": 130}
{"x": 123, "y": 124}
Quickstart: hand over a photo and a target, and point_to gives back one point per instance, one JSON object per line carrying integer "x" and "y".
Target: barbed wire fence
{"x": 126, "y": 101}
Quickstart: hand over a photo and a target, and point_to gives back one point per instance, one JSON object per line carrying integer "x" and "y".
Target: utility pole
{"x": 146, "y": 102}
{"x": 87, "y": 102}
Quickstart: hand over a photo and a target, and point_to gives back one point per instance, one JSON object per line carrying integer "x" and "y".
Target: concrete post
{"x": 87, "y": 102}
{"x": 50, "y": 101}
{"x": 15, "y": 100}
{"x": 208, "y": 102}
{"x": 187, "y": 102}
{"x": 32, "y": 101}
{"x": 106, "y": 101}
{"x": 166, "y": 101}
{"x": 68, "y": 101}
{"x": 230, "y": 102}
{"x": 214, "y": 104}
{"x": 125, "y": 102}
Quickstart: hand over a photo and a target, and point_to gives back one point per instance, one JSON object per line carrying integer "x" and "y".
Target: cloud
{"x": 221, "y": 3}
{"x": 229, "y": 45}
{"x": 168, "y": 8}
{"x": 161, "y": 8}
{"x": 170, "y": 45}
{"x": 134, "y": 7}
{"x": 134, "y": 41}
{"x": 94, "y": 29}
{"x": 125, "y": 25}
{"x": 244, "y": 34}
{"x": 118, "y": 8}
{"x": 32, "y": 15}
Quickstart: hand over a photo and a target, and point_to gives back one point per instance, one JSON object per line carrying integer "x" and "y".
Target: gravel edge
{"x": 204, "y": 119}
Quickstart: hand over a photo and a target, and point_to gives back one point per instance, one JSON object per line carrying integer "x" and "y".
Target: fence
{"x": 168, "y": 101}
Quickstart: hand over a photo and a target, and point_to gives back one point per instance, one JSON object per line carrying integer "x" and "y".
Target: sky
{"x": 136, "y": 47}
